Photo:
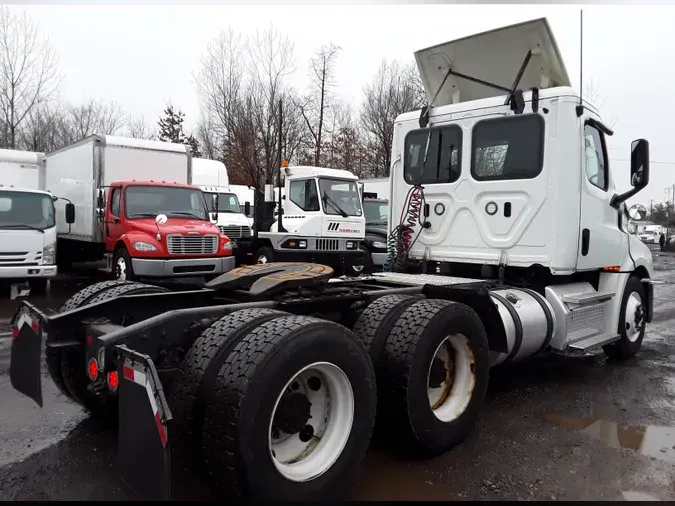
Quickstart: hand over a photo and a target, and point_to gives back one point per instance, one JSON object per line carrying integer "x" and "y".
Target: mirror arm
{"x": 600, "y": 126}
{"x": 617, "y": 199}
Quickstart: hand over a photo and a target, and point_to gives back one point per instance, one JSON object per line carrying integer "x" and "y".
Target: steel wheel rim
{"x": 633, "y": 302}
{"x": 332, "y": 418}
{"x": 121, "y": 269}
{"x": 262, "y": 259}
{"x": 449, "y": 400}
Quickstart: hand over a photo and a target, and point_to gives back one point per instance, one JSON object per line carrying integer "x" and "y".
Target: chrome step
{"x": 589, "y": 343}
{"x": 588, "y": 298}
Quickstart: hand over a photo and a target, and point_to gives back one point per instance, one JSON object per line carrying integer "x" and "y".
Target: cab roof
{"x": 171, "y": 184}
{"x": 15, "y": 156}
{"x": 310, "y": 171}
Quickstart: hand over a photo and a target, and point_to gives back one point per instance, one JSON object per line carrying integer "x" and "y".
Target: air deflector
{"x": 492, "y": 57}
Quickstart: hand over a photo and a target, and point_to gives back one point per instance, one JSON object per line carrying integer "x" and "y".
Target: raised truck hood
{"x": 494, "y": 56}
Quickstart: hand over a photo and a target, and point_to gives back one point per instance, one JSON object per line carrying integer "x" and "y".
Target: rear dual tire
{"x": 250, "y": 392}
{"x": 67, "y": 366}
{"x": 432, "y": 363}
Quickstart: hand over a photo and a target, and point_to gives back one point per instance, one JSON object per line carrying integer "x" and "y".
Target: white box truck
{"x": 27, "y": 221}
{"x": 135, "y": 207}
{"x": 224, "y": 206}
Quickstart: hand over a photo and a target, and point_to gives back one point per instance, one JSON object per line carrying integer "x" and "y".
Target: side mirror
{"x": 637, "y": 212}
{"x": 100, "y": 200}
{"x": 639, "y": 163}
{"x": 70, "y": 213}
{"x": 639, "y": 171}
{"x": 54, "y": 198}
{"x": 214, "y": 216}
{"x": 247, "y": 208}
{"x": 161, "y": 219}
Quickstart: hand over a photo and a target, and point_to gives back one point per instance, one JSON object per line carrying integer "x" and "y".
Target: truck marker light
{"x": 92, "y": 369}
{"x": 113, "y": 380}
{"x": 90, "y": 340}
{"x": 612, "y": 268}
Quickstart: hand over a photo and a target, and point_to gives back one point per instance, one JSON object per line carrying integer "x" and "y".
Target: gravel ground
{"x": 552, "y": 428}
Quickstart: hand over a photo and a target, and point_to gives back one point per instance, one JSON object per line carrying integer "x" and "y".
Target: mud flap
{"x": 144, "y": 416}
{"x": 26, "y": 361}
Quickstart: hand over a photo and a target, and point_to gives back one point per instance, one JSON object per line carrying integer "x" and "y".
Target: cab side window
{"x": 115, "y": 202}
{"x": 596, "y": 157}
{"x": 304, "y": 194}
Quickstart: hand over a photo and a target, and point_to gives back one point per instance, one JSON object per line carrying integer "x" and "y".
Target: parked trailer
{"x": 272, "y": 379}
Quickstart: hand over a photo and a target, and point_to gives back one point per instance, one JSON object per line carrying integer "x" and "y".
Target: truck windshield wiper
{"x": 142, "y": 215}
{"x": 326, "y": 198}
{"x": 186, "y": 213}
{"x": 22, "y": 225}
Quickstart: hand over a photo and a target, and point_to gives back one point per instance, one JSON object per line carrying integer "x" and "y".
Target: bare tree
{"x": 28, "y": 71}
{"x": 322, "y": 81}
{"x": 42, "y": 128}
{"x": 394, "y": 90}
{"x": 593, "y": 95}
{"x": 92, "y": 117}
{"x": 240, "y": 85}
{"x": 138, "y": 128}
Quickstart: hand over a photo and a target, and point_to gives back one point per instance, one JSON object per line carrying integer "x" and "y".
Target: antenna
{"x": 581, "y": 56}
{"x": 580, "y": 107}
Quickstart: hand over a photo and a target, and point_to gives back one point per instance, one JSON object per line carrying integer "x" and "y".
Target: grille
{"x": 235, "y": 231}
{"x": 192, "y": 245}
{"x": 328, "y": 244}
{"x": 19, "y": 258}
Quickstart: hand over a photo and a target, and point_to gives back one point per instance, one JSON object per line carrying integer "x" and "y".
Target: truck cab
{"x": 27, "y": 221}
{"x": 223, "y": 204}
{"x": 161, "y": 230}
{"x": 321, "y": 221}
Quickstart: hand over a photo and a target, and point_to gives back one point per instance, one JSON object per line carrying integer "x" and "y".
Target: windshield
{"x": 376, "y": 211}
{"x": 227, "y": 202}
{"x": 26, "y": 210}
{"x": 149, "y": 201}
{"x": 339, "y": 196}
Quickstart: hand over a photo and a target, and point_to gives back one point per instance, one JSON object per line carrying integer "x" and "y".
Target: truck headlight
{"x": 49, "y": 254}
{"x": 379, "y": 245}
{"x": 351, "y": 244}
{"x": 227, "y": 246}
{"x": 144, "y": 246}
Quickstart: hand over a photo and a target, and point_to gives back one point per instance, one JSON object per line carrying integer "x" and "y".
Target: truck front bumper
{"x": 175, "y": 268}
{"x": 330, "y": 258}
{"x": 28, "y": 272}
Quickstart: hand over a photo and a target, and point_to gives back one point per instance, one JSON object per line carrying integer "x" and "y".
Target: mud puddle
{"x": 650, "y": 441}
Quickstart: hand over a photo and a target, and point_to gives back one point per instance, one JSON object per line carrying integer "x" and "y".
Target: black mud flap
{"x": 26, "y": 361}
{"x": 143, "y": 436}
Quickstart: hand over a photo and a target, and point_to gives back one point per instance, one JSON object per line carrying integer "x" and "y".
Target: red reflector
{"x": 90, "y": 340}
{"x": 113, "y": 380}
{"x": 35, "y": 327}
{"x": 15, "y": 331}
{"x": 92, "y": 369}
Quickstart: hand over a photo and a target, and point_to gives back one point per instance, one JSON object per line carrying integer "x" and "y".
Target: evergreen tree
{"x": 171, "y": 130}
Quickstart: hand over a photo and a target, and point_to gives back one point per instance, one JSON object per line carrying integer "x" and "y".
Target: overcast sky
{"x": 144, "y": 57}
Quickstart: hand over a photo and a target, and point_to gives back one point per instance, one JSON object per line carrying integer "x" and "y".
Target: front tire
{"x": 122, "y": 268}
{"x": 292, "y": 412}
{"x": 632, "y": 321}
{"x": 264, "y": 255}
{"x": 366, "y": 268}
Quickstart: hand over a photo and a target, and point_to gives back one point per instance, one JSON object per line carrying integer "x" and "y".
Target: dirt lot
{"x": 552, "y": 428}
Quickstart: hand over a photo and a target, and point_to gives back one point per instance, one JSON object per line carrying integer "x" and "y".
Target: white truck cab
{"x": 511, "y": 181}
{"x": 226, "y": 211}
{"x": 27, "y": 221}
{"x": 322, "y": 220}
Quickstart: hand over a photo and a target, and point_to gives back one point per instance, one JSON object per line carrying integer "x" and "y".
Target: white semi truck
{"x": 508, "y": 240}
{"x": 211, "y": 177}
{"x": 27, "y": 221}
{"x": 322, "y": 220}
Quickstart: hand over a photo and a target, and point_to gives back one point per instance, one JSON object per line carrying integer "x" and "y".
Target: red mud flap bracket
{"x": 144, "y": 416}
